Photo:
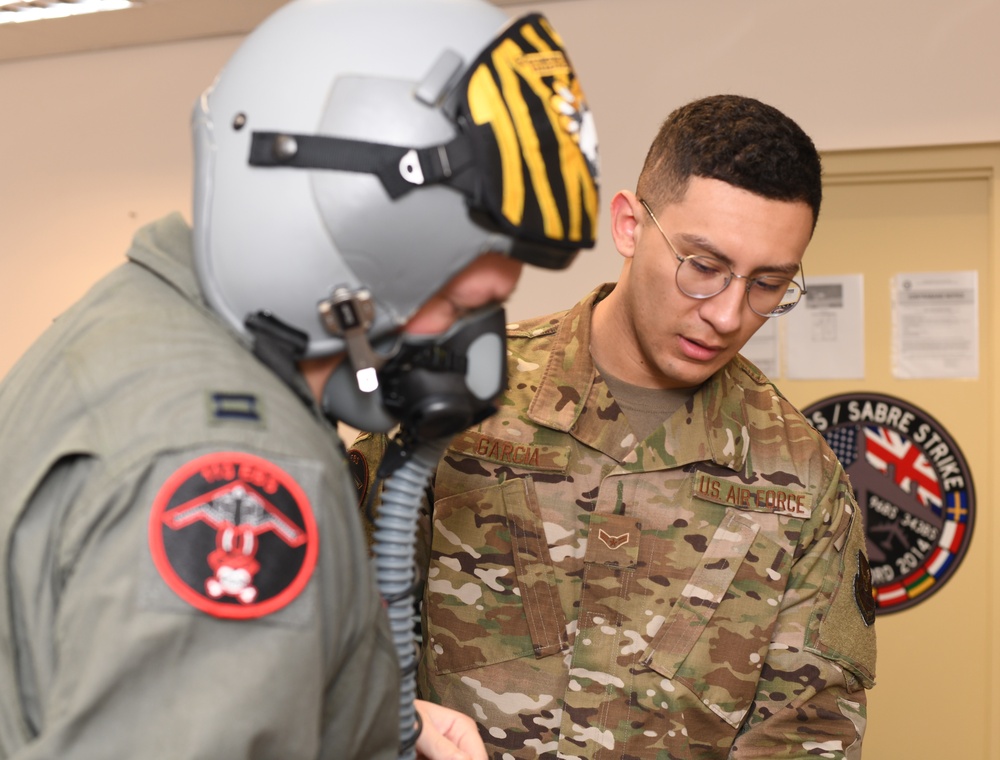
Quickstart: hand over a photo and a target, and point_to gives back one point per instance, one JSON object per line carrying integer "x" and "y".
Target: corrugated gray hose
{"x": 395, "y": 539}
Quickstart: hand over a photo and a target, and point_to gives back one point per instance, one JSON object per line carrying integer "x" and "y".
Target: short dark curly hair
{"x": 737, "y": 140}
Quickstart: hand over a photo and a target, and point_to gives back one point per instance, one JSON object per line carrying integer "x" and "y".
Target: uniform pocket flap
{"x": 702, "y": 595}
{"x": 491, "y": 589}
{"x": 534, "y": 571}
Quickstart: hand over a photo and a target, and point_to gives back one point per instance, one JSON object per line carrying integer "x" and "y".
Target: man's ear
{"x": 624, "y": 221}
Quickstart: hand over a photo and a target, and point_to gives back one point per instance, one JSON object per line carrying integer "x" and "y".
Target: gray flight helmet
{"x": 308, "y": 145}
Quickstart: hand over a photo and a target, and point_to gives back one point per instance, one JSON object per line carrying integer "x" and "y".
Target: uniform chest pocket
{"x": 491, "y": 589}
{"x": 716, "y": 636}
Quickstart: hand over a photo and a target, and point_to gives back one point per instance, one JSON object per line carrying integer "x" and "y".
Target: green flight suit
{"x": 104, "y": 651}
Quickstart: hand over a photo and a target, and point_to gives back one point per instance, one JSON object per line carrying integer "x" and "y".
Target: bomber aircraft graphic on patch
{"x": 233, "y": 535}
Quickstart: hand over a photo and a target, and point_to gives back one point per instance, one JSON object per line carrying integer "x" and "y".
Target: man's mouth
{"x": 698, "y": 351}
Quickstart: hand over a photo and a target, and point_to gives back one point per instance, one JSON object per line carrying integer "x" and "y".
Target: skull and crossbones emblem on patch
{"x": 233, "y": 535}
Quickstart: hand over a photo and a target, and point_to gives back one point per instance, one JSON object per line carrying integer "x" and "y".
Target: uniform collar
{"x": 165, "y": 248}
{"x": 573, "y": 398}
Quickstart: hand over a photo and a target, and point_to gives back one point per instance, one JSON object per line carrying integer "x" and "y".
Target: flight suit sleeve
{"x": 811, "y": 698}
{"x": 131, "y": 665}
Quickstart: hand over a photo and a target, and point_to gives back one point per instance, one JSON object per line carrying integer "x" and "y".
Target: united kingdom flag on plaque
{"x": 902, "y": 460}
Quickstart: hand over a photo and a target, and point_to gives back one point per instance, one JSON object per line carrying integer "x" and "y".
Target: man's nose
{"x": 725, "y": 310}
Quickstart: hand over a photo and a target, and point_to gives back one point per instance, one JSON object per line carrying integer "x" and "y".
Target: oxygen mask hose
{"x": 395, "y": 539}
{"x": 435, "y": 386}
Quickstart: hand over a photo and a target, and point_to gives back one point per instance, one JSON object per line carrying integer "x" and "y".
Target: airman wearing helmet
{"x": 183, "y": 569}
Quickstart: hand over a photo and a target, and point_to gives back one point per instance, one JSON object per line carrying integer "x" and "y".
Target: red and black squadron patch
{"x": 233, "y": 535}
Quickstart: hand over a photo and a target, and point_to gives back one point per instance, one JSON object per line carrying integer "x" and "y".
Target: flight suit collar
{"x": 573, "y": 398}
{"x": 165, "y": 248}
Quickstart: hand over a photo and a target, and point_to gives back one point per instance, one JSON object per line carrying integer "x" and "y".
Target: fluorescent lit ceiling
{"x": 21, "y": 11}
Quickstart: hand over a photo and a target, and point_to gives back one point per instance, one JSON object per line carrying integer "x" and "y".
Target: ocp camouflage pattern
{"x": 692, "y": 595}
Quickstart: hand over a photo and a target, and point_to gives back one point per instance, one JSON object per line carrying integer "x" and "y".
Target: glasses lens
{"x": 706, "y": 276}
{"x": 702, "y": 276}
{"x": 772, "y": 296}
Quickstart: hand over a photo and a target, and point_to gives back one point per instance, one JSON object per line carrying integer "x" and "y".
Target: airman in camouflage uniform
{"x": 697, "y": 591}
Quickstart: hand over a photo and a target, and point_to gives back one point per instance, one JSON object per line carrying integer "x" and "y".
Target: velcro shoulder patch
{"x": 754, "y": 498}
{"x": 360, "y": 471}
{"x": 233, "y": 535}
{"x": 526, "y": 455}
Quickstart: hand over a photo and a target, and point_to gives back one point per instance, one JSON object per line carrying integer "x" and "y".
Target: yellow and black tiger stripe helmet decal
{"x": 525, "y": 90}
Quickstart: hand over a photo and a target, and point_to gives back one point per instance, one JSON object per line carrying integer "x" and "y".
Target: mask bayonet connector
{"x": 350, "y": 314}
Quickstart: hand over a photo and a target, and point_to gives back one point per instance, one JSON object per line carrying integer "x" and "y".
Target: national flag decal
{"x": 900, "y": 458}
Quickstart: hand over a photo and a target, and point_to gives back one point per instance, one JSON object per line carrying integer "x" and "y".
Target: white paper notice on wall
{"x": 825, "y": 337}
{"x": 935, "y": 325}
{"x": 762, "y": 348}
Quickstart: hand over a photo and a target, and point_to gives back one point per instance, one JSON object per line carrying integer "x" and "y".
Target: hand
{"x": 447, "y": 734}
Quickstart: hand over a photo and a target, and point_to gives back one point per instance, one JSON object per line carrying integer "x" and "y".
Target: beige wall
{"x": 94, "y": 145}
{"x": 927, "y": 210}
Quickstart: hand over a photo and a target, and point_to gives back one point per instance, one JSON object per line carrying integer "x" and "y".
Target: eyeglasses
{"x": 702, "y": 277}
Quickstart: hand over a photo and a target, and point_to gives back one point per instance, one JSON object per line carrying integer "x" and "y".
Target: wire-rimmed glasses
{"x": 700, "y": 276}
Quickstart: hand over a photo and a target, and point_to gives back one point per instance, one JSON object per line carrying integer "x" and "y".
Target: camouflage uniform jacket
{"x": 699, "y": 594}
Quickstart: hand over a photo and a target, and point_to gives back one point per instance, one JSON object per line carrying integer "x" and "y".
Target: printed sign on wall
{"x": 913, "y": 486}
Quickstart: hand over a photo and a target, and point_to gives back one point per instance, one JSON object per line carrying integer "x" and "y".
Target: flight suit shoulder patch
{"x": 233, "y": 535}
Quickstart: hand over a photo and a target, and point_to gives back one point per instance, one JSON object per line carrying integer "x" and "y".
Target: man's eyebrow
{"x": 706, "y": 246}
